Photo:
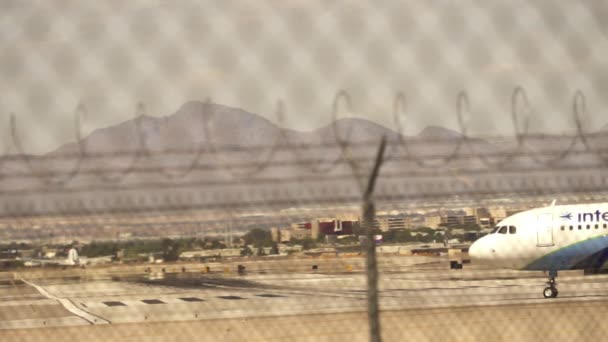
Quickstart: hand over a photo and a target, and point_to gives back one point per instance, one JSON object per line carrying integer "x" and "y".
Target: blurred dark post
{"x": 369, "y": 213}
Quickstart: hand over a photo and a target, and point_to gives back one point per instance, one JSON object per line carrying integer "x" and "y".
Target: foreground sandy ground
{"x": 582, "y": 321}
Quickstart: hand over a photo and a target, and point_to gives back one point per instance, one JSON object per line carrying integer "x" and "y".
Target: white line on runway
{"x": 68, "y": 305}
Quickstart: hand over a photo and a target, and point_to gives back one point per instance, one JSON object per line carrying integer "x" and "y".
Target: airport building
{"x": 285, "y": 235}
{"x": 456, "y": 220}
{"x": 482, "y": 212}
{"x": 314, "y": 228}
{"x": 275, "y": 234}
{"x": 486, "y": 222}
{"x": 301, "y": 225}
{"x": 432, "y": 221}
{"x": 513, "y": 212}
{"x": 451, "y": 220}
{"x": 387, "y": 223}
{"x": 498, "y": 214}
{"x": 336, "y": 227}
{"x": 468, "y": 220}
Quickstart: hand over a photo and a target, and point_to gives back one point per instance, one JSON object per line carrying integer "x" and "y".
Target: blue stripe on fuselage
{"x": 567, "y": 257}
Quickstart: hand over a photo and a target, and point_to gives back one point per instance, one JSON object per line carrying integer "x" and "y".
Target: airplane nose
{"x": 474, "y": 251}
{"x": 477, "y": 252}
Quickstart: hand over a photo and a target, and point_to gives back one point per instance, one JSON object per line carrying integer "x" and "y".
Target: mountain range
{"x": 196, "y": 124}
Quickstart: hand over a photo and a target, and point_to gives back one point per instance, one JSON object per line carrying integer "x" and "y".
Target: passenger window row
{"x": 589, "y": 226}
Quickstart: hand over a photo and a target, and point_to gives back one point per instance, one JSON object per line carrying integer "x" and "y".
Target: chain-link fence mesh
{"x": 211, "y": 163}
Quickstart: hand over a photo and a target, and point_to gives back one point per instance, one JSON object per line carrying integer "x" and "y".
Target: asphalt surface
{"x": 422, "y": 299}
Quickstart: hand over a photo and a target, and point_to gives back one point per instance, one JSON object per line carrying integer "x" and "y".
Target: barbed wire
{"x": 214, "y": 164}
{"x": 198, "y": 152}
{"x": 80, "y": 113}
{"x": 139, "y": 153}
{"x": 462, "y": 106}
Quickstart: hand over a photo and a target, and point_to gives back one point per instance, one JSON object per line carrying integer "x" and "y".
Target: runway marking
{"x": 69, "y": 305}
{"x": 192, "y": 299}
{"x": 114, "y": 303}
{"x": 270, "y": 295}
{"x": 231, "y": 297}
{"x": 153, "y": 301}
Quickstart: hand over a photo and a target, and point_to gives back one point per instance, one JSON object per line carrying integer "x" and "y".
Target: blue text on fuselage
{"x": 593, "y": 216}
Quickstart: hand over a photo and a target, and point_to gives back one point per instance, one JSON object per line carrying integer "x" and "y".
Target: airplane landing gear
{"x": 551, "y": 290}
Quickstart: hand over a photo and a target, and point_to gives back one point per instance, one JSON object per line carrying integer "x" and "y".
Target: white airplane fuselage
{"x": 553, "y": 238}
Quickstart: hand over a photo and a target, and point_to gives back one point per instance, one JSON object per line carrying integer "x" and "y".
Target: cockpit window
{"x": 512, "y": 230}
{"x": 503, "y": 230}
{"x": 496, "y": 230}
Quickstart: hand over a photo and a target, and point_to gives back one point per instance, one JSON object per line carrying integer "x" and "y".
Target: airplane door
{"x": 544, "y": 230}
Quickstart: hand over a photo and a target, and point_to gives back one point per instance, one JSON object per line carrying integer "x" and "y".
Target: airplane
{"x": 73, "y": 259}
{"x": 550, "y": 239}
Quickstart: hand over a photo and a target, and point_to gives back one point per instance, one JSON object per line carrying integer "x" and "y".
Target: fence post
{"x": 369, "y": 212}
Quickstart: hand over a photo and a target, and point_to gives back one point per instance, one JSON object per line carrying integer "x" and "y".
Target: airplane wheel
{"x": 550, "y": 292}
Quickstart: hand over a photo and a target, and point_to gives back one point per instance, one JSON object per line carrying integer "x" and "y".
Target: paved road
{"x": 425, "y": 301}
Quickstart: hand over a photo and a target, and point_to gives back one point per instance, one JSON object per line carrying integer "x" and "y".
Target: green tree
{"x": 349, "y": 240}
{"x": 170, "y": 249}
{"x": 472, "y": 226}
{"x": 100, "y": 248}
{"x": 258, "y": 238}
{"x": 403, "y": 236}
{"x": 275, "y": 249}
{"x": 12, "y": 264}
{"x": 308, "y": 243}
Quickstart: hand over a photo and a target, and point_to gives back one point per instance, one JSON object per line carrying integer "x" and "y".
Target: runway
{"x": 332, "y": 303}
{"x": 539, "y": 322}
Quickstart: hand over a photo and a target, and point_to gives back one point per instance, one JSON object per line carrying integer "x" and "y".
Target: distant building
{"x": 208, "y": 253}
{"x": 482, "y": 212}
{"x": 314, "y": 230}
{"x": 414, "y": 221}
{"x": 498, "y": 213}
{"x": 285, "y": 250}
{"x": 49, "y": 253}
{"x": 469, "y": 211}
{"x": 486, "y": 222}
{"x": 395, "y": 222}
{"x": 458, "y": 231}
{"x": 336, "y": 227}
{"x": 285, "y": 235}
{"x": 302, "y": 225}
{"x": 469, "y": 220}
{"x": 388, "y": 223}
{"x": 380, "y": 224}
{"x": 513, "y": 212}
{"x": 299, "y": 233}
{"x": 432, "y": 221}
{"x": 451, "y": 220}
{"x": 275, "y": 234}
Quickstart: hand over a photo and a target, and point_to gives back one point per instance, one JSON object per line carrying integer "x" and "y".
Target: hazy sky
{"x": 112, "y": 54}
